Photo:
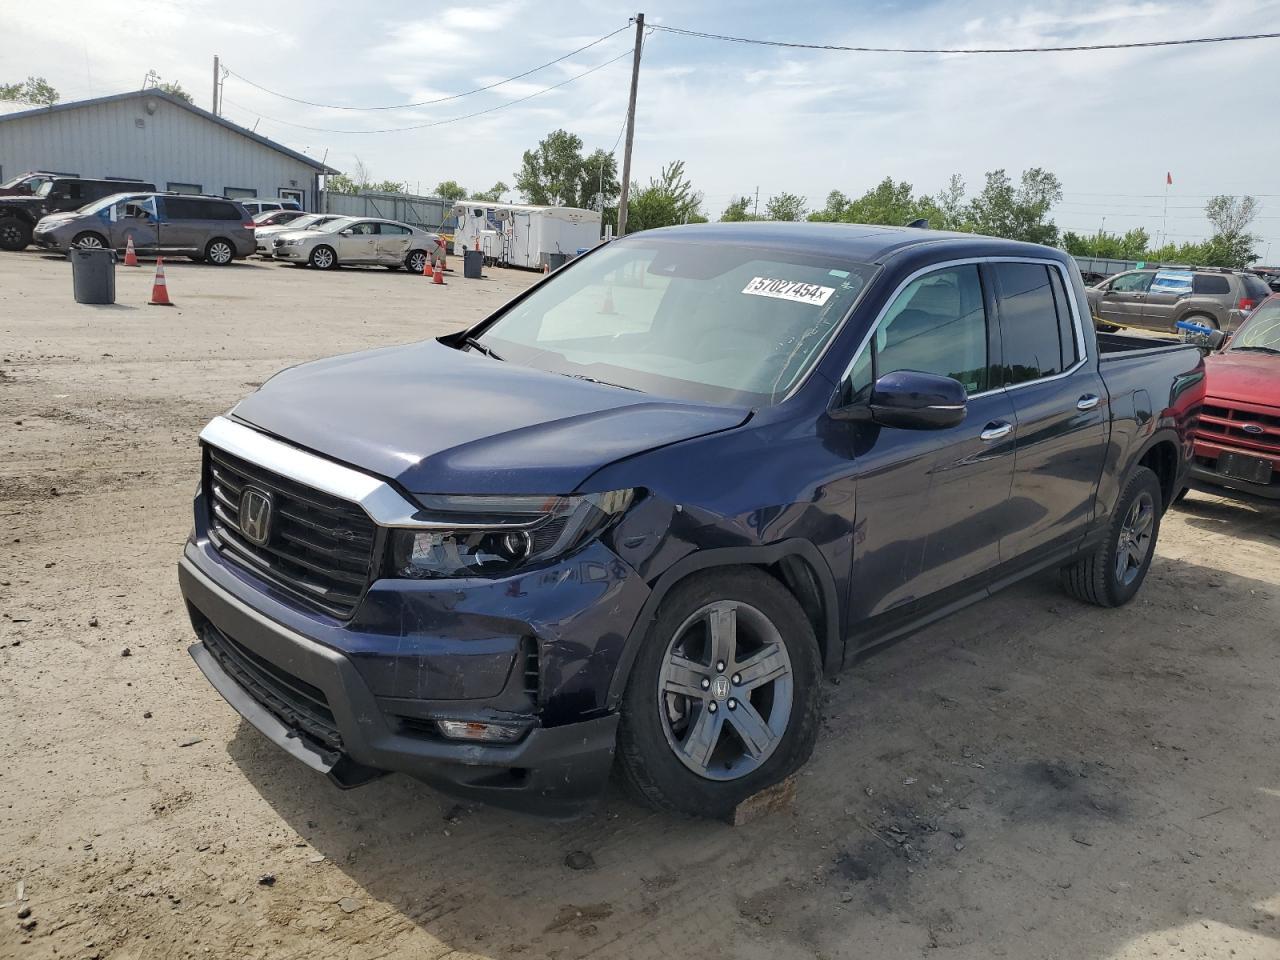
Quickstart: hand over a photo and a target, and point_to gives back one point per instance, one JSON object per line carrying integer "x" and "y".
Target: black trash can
{"x": 473, "y": 264}
{"x": 93, "y": 274}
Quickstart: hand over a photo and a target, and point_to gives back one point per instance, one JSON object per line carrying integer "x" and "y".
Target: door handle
{"x": 995, "y": 430}
{"x": 1087, "y": 402}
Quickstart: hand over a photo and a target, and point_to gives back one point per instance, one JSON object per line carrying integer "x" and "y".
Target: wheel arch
{"x": 796, "y": 564}
{"x": 1160, "y": 456}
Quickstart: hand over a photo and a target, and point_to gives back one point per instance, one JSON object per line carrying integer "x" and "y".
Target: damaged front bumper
{"x": 350, "y": 711}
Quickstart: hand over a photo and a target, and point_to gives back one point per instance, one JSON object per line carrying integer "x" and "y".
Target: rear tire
{"x": 774, "y": 700}
{"x": 15, "y": 233}
{"x": 1201, "y": 318}
{"x": 1114, "y": 572}
{"x": 219, "y": 252}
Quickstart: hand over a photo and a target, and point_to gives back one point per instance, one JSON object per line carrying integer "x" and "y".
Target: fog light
{"x": 471, "y": 730}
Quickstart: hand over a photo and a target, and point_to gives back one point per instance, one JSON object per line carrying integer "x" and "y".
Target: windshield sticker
{"x": 793, "y": 290}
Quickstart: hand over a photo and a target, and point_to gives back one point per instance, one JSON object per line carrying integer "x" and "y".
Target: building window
{"x": 239, "y": 193}
{"x": 297, "y": 196}
{"x": 175, "y": 187}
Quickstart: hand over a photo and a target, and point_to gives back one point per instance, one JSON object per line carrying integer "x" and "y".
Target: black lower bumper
{"x": 310, "y": 700}
{"x": 1210, "y": 481}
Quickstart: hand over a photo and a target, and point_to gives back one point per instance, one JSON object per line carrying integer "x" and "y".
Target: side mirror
{"x": 345, "y": 232}
{"x": 911, "y": 400}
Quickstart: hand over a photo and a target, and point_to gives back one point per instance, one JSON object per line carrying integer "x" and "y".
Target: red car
{"x": 1237, "y": 443}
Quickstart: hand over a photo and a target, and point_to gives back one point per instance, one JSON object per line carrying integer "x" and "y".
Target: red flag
{"x": 1168, "y": 179}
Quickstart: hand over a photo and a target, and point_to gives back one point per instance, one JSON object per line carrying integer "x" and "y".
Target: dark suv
{"x": 211, "y": 229}
{"x": 19, "y": 215}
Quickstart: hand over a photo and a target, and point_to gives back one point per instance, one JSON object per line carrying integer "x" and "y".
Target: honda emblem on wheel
{"x": 720, "y": 687}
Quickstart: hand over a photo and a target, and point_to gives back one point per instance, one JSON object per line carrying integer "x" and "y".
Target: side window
{"x": 364, "y": 229}
{"x": 938, "y": 324}
{"x": 1066, "y": 323}
{"x": 1132, "y": 283}
{"x": 393, "y": 229}
{"x": 74, "y": 190}
{"x": 1210, "y": 283}
{"x": 178, "y": 209}
{"x": 1029, "y": 327}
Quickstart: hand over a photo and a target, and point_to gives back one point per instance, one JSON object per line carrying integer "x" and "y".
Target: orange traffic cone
{"x": 477, "y": 241}
{"x": 159, "y": 289}
{"x": 426, "y": 267}
{"x": 439, "y": 274}
{"x": 130, "y": 255}
{"x": 444, "y": 257}
{"x": 546, "y": 267}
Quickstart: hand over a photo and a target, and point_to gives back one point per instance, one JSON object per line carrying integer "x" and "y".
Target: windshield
{"x": 10, "y": 184}
{"x": 98, "y": 205}
{"x": 332, "y": 225}
{"x": 1261, "y": 332}
{"x": 712, "y": 322}
{"x": 44, "y": 188}
{"x": 310, "y": 221}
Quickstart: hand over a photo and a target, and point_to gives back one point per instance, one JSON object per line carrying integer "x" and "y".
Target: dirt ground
{"x": 1030, "y": 778}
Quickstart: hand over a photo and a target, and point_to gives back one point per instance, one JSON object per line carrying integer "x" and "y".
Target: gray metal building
{"x": 151, "y": 135}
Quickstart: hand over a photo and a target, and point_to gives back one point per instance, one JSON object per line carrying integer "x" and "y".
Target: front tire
{"x": 15, "y": 233}
{"x": 723, "y": 699}
{"x": 416, "y": 261}
{"x": 219, "y": 252}
{"x": 323, "y": 258}
{"x": 1113, "y": 573}
{"x": 89, "y": 240}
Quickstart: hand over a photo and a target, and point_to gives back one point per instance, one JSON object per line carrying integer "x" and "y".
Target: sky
{"x": 1110, "y": 124}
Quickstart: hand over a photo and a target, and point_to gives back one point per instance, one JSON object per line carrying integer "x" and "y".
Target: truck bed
{"x": 1113, "y": 343}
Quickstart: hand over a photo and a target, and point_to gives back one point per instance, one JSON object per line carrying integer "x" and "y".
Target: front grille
{"x": 294, "y": 701}
{"x": 319, "y": 548}
{"x": 1222, "y": 421}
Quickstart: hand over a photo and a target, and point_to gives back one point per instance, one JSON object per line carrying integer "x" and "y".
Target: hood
{"x": 22, "y": 201}
{"x": 437, "y": 420}
{"x": 62, "y": 216}
{"x": 1244, "y": 375}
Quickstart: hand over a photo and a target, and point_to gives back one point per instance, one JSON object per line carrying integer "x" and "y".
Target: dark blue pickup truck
{"x": 639, "y": 513}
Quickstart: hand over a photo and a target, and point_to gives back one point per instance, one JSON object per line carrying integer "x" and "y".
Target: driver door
{"x": 361, "y": 244}
{"x": 932, "y": 505}
{"x": 134, "y": 218}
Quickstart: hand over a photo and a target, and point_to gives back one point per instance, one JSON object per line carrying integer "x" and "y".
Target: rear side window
{"x": 1132, "y": 283}
{"x": 1030, "y": 332}
{"x": 1066, "y": 323}
{"x": 1210, "y": 283}
{"x": 220, "y": 211}
{"x": 178, "y": 209}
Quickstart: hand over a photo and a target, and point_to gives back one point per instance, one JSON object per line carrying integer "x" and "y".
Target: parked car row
{"x": 74, "y": 212}
{"x": 27, "y": 200}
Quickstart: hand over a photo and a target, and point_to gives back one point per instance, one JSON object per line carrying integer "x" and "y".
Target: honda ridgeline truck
{"x": 640, "y": 512}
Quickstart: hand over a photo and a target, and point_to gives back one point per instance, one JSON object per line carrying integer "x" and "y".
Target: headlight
{"x": 490, "y": 536}
{"x": 290, "y": 243}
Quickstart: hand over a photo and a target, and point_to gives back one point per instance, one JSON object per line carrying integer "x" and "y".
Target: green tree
{"x": 556, "y": 173}
{"x": 1017, "y": 212}
{"x": 949, "y": 206}
{"x": 833, "y": 212}
{"x": 888, "y": 202}
{"x": 667, "y": 200}
{"x": 1131, "y": 245}
{"x": 785, "y": 206}
{"x": 493, "y": 194}
{"x": 175, "y": 90}
{"x": 387, "y": 186}
{"x": 451, "y": 190}
{"x": 737, "y": 211}
{"x": 1231, "y": 244}
{"x": 32, "y": 90}
{"x": 341, "y": 183}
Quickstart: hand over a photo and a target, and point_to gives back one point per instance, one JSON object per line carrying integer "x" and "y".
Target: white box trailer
{"x": 519, "y": 235}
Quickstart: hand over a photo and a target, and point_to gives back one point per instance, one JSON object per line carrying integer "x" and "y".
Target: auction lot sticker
{"x": 793, "y": 290}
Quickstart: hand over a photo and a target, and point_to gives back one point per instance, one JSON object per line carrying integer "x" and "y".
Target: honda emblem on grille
{"x": 1251, "y": 428}
{"x": 255, "y": 515}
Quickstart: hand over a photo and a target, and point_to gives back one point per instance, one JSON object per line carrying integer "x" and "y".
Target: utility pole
{"x": 631, "y": 129}
{"x": 755, "y": 208}
{"x": 215, "y": 84}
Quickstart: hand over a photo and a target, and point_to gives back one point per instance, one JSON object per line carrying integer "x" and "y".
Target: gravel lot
{"x": 1031, "y": 778}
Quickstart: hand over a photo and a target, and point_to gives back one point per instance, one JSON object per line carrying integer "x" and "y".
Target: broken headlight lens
{"x": 490, "y": 536}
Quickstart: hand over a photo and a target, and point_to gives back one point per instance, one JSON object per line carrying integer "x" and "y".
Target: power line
{"x": 425, "y": 103}
{"x": 1067, "y": 49}
{"x": 438, "y": 123}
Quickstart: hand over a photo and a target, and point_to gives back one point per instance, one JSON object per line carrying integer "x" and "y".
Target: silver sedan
{"x": 351, "y": 241}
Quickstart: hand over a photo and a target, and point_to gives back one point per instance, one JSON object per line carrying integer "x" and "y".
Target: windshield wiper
{"x": 487, "y": 351}
{"x": 581, "y": 376}
{"x": 1254, "y": 346}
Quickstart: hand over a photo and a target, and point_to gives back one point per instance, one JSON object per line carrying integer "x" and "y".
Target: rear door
{"x": 393, "y": 243}
{"x": 182, "y": 226}
{"x": 1060, "y": 404}
{"x": 1123, "y": 297}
